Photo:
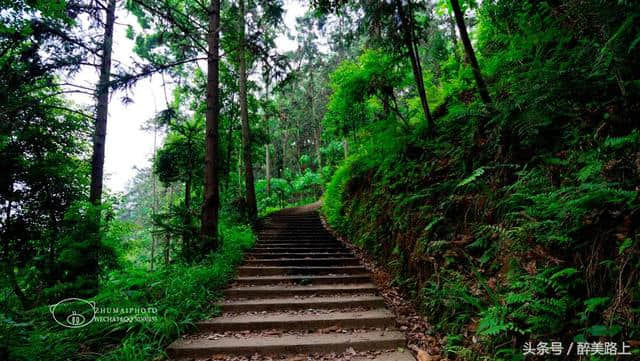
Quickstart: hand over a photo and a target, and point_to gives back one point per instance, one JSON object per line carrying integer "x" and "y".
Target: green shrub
{"x": 181, "y": 293}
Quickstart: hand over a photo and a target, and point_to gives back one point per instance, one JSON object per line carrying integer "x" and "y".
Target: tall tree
{"x": 412, "y": 48}
{"x": 211, "y": 202}
{"x": 180, "y": 160}
{"x": 102, "y": 109}
{"x": 454, "y": 38}
{"x": 252, "y": 210}
{"x": 471, "y": 55}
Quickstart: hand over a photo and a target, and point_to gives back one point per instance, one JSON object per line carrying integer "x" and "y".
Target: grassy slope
{"x": 182, "y": 294}
{"x": 531, "y": 231}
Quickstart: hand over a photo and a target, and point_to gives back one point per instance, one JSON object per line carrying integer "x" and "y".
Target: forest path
{"x": 300, "y": 295}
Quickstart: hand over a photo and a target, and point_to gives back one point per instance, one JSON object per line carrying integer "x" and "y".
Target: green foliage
{"x": 516, "y": 221}
{"x": 450, "y": 301}
{"x": 518, "y": 232}
{"x": 537, "y": 305}
{"x": 82, "y": 254}
{"x": 182, "y": 295}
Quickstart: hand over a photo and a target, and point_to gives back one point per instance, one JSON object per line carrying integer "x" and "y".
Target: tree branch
{"x": 129, "y": 79}
{"x": 168, "y": 16}
{"x": 77, "y": 112}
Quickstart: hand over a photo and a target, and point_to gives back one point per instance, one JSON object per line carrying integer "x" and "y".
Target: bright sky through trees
{"x": 129, "y": 146}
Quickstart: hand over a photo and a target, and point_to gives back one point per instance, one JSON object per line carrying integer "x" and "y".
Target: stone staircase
{"x": 300, "y": 295}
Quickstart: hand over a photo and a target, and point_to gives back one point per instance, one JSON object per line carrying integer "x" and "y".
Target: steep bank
{"x": 518, "y": 222}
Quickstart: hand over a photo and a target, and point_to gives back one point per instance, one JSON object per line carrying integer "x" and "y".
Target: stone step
{"x": 297, "y": 265}
{"x": 298, "y": 244}
{"x": 293, "y": 304}
{"x": 294, "y": 236}
{"x": 297, "y": 240}
{"x": 333, "y": 261}
{"x": 377, "y": 318}
{"x": 292, "y": 221}
{"x": 290, "y": 291}
{"x": 294, "y": 240}
{"x": 292, "y": 225}
{"x": 312, "y": 235}
{"x": 268, "y": 249}
{"x": 292, "y": 270}
{"x": 312, "y": 280}
{"x": 287, "y": 344}
{"x": 295, "y": 232}
{"x": 301, "y": 255}
{"x": 310, "y": 227}
{"x": 306, "y": 215}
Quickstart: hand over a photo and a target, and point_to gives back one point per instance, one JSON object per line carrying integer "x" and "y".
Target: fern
{"x": 470, "y": 179}
{"x": 630, "y": 140}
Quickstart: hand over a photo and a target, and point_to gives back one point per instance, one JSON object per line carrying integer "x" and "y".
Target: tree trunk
{"x": 277, "y": 161}
{"x": 186, "y": 223}
{"x": 24, "y": 301}
{"x": 267, "y": 168}
{"x": 285, "y": 143}
{"x": 239, "y": 169}
{"x": 227, "y": 166}
{"x": 211, "y": 202}
{"x": 265, "y": 119}
{"x": 345, "y": 144}
{"x": 318, "y": 144}
{"x": 316, "y": 124}
{"x": 102, "y": 108}
{"x": 409, "y": 42}
{"x": 471, "y": 55}
{"x": 167, "y": 237}
{"x": 454, "y": 37}
{"x": 153, "y": 249}
{"x": 187, "y": 192}
{"x": 154, "y": 190}
{"x": 252, "y": 210}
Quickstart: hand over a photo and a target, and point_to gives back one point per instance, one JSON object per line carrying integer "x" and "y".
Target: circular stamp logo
{"x": 73, "y": 312}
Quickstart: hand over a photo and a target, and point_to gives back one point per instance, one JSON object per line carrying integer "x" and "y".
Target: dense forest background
{"x": 486, "y": 153}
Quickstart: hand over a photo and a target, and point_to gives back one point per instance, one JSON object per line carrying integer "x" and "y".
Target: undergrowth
{"x": 181, "y": 293}
{"x": 528, "y": 231}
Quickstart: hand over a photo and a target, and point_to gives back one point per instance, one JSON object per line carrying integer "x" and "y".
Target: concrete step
{"x": 301, "y": 255}
{"x": 296, "y": 232}
{"x": 297, "y": 244}
{"x": 311, "y": 216}
{"x": 291, "y": 221}
{"x": 297, "y": 265}
{"x": 295, "y": 235}
{"x": 333, "y": 261}
{"x": 272, "y": 227}
{"x": 290, "y": 291}
{"x": 269, "y": 249}
{"x": 293, "y": 304}
{"x": 310, "y": 227}
{"x": 378, "y": 318}
{"x": 287, "y": 344}
{"x": 293, "y": 270}
{"x": 298, "y": 240}
{"x": 292, "y": 225}
{"x": 312, "y": 280}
